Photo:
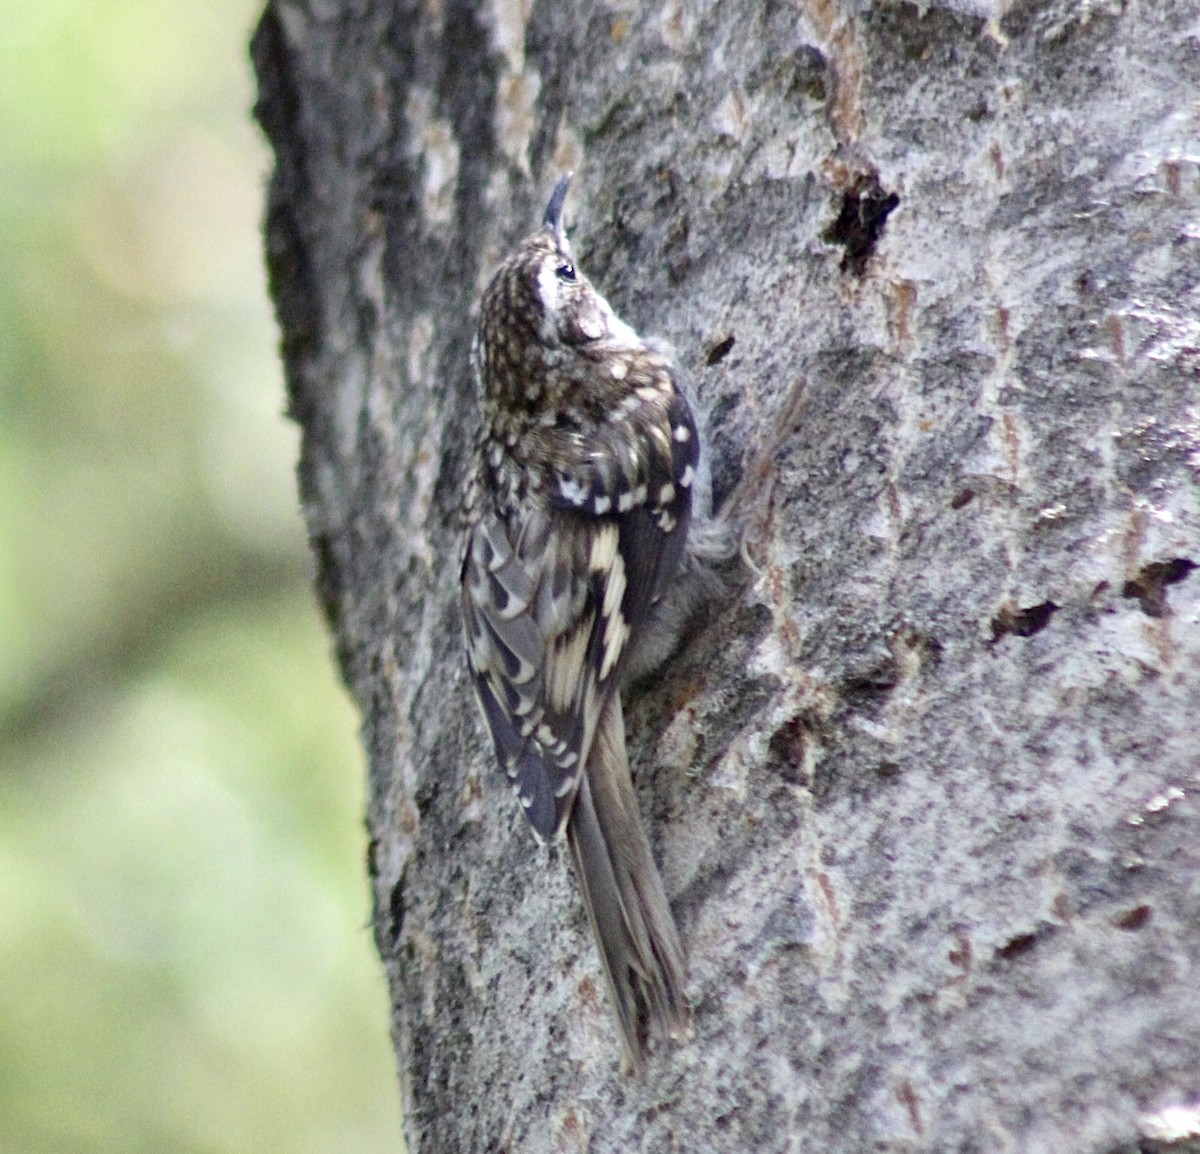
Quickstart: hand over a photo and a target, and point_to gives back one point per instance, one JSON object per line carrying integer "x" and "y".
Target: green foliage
{"x": 184, "y": 941}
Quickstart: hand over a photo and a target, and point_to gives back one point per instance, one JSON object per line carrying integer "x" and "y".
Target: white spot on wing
{"x": 604, "y": 549}
{"x": 564, "y": 669}
{"x": 616, "y": 633}
{"x": 572, "y": 491}
{"x": 687, "y": 477}
{"x": 615, "y": 589}
{"x": 516, "y": 606}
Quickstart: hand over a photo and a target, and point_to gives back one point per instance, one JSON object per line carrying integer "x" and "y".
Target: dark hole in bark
{"x": 1133, "y": 919}
{"x": 719, "y": 351}
{"x": 1023, "y": 622}
{"x": 1149, "y": 586}
{"x": 1017, "y": 946}
{"x": 865, "y": 209}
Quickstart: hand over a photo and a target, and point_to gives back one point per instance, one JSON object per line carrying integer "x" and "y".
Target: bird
{"x": 577, "y": 512}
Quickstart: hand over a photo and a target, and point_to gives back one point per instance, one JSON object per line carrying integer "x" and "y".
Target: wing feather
{"x": 552, "y": 595}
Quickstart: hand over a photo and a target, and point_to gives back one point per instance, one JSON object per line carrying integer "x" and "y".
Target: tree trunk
{"x": 923, "y": 784}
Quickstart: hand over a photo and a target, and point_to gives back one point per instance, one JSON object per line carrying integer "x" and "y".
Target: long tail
{"x": 623, "y": 894}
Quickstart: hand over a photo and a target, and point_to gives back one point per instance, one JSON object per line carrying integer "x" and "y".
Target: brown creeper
{"x": 577, "y": 512}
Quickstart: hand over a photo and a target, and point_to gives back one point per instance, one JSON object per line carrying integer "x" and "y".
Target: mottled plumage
{"x": 578, "y": 512}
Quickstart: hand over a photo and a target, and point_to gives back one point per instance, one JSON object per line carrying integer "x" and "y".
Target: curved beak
{"x": 553, "y": 219}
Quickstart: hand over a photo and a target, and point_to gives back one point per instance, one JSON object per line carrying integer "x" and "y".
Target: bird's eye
{"x": 565, "y": 271}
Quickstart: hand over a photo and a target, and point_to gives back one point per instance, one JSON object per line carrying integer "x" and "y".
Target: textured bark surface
{"x": 924, "y": 786}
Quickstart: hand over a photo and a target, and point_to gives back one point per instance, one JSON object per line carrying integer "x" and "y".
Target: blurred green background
{"x": 185, "y": 960}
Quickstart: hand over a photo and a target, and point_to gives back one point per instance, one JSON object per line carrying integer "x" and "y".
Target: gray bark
{"x": 923, "y": 786}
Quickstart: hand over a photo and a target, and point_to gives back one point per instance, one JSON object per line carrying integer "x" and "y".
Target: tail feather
{"x": 623, "y": 894}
